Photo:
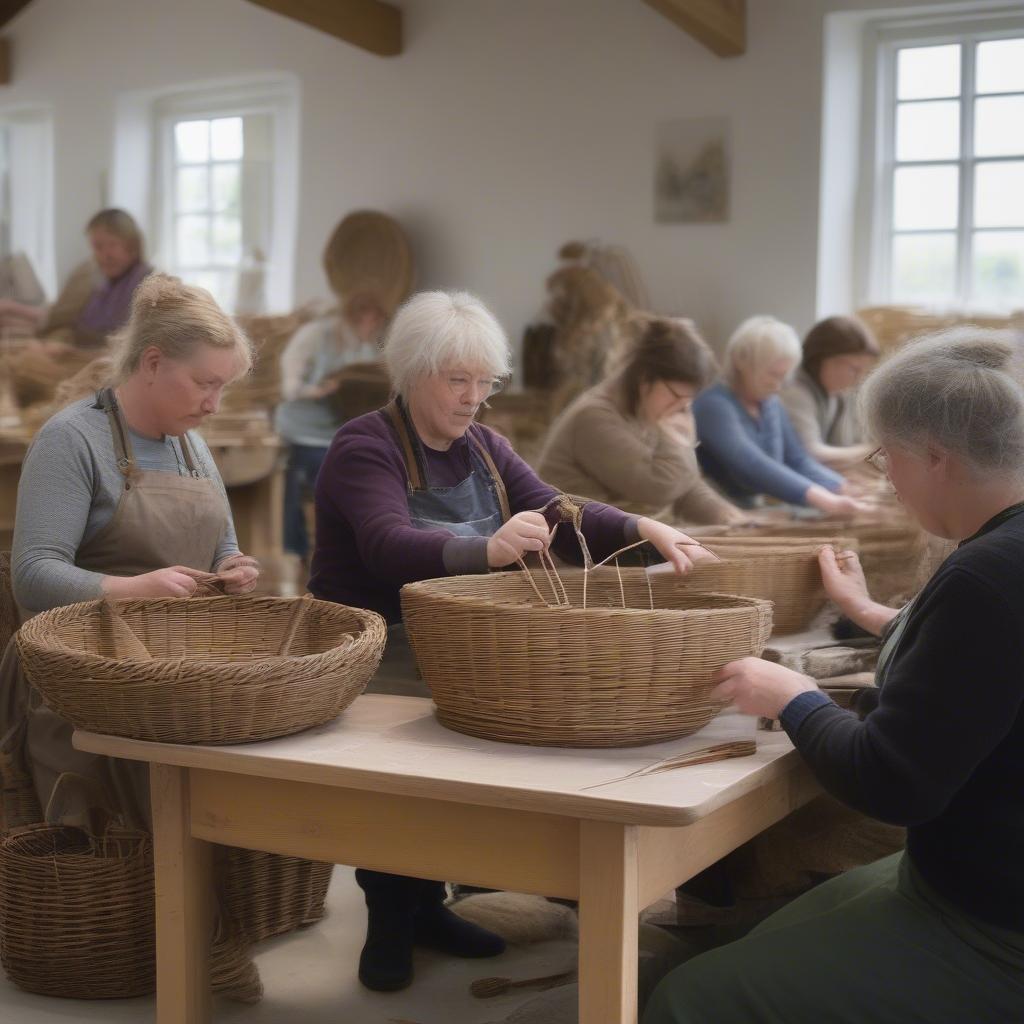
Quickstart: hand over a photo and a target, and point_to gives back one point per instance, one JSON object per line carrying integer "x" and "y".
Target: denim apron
{"x": 474, "y": 507}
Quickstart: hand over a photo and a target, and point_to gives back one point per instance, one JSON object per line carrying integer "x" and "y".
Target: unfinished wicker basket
{"x": 502, "y": 665}
{"x": 203, "y": 670}
{"x": 76, "y": 912}
{"x": 268, "y": 894}
{"x": 785, "y": 574}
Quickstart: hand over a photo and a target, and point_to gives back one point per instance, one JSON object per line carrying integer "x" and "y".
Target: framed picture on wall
{"x": 691, "y": 172}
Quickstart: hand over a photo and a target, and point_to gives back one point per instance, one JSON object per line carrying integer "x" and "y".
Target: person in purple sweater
{"x": 419, "y": 490}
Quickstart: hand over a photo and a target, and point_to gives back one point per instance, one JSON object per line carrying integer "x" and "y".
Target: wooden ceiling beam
{"x": 720, "y": 25}
{"x": 369, "y": 24}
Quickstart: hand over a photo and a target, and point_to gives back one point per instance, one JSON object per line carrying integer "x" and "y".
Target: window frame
{"x": 890, "y": 37}
{"x": 276, "y": 98}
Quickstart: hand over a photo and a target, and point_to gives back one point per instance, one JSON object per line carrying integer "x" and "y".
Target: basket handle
{"x": 122, "y": 638}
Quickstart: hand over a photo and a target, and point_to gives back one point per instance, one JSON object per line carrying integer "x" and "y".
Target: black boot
{"x": 385, "y": 964}
{"x": 438, "y": 928}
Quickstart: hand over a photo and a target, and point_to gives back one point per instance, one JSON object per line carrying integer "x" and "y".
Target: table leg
{"x": 184, "y": 904}
{"x": 609, "y": 922}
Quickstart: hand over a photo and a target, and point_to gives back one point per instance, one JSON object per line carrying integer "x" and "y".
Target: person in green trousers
{"x": 934, "y": 934}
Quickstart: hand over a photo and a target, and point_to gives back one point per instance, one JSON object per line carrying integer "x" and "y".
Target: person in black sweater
{"x": 934, "y": 934}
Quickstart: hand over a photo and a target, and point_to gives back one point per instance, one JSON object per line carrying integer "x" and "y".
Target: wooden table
{"x": 386, "y": 787}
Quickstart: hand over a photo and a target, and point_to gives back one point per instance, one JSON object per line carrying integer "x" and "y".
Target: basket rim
{"x": 739, "y": 601}
{"x": 38, "y": 632}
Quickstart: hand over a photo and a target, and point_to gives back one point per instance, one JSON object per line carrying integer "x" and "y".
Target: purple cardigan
{"x": 366, "y": 546}
{"x": 110, "y": 304}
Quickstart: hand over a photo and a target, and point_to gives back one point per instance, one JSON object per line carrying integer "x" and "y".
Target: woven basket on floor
{"x": 268, "y": 894}
{"x": 203, "y": 670}
{"x": 76, "y": 912}
{"x": 77, "y": 918}
{"x": 502, "y": 665}
{"x": 786, "y": 574}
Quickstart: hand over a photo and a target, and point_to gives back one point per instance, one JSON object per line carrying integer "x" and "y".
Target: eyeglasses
{"x": 461, "y": 383}
{"x": 879, "y": 461}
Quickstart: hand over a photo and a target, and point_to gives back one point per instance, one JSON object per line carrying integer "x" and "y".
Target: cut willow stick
{"x": 488, "y": 988}
{"x": 704, "y": 755}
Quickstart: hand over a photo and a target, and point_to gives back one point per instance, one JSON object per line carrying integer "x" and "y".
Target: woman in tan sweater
{"x": 629, "y": 441}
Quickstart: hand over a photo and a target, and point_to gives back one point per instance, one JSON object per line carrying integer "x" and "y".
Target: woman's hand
{"x": 845, "y": 584}
{"x": 524, "y": 532}
{"x": 835, "y": 506}
{"x": 759, "y": 687}
{"x": 239, "y": 574}
{"x": 174, "y": 581}
{"x": 681, "y": 551}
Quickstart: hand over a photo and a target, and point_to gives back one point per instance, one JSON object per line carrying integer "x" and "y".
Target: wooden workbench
{"x": 386, "y": 787}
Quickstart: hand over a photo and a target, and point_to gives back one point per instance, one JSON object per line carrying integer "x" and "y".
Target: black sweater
{"x": 943, "y": 751}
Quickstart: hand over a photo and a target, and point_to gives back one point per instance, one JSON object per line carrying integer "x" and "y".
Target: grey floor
{"x": 310, "y": 977}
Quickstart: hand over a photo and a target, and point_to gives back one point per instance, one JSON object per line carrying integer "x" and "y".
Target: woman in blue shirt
{"x": 747, "y": 444}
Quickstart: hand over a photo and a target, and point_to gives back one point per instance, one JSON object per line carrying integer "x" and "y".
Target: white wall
{"x": 506, "y": 128}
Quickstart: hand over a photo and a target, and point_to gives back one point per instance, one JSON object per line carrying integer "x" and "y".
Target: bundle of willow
{"x": 595, "y": 658}
{"x": 206, "y": 670}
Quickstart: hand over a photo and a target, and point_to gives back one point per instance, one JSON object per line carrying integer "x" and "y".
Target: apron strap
{"x": 107, "y": 401}
{"x": 191, "y": 460}
{"x": 499, "y": 484}
{"x": 412, "y": 466}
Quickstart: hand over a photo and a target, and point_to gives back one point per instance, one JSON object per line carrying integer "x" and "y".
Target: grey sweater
{"x": 70, "y": 486}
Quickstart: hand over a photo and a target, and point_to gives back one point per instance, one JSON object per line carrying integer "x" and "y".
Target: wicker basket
{"x": 787, "y": 575}
{"x": 268, "y": 894}
{"x": 203, "y": 670}
{"x": 76, "y": 912}
{"x": 503, "y": 666}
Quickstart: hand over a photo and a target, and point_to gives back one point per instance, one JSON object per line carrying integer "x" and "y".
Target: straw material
{"x": 269, "y": 335}
{"x": 267, "y": 894}
{"x": 369, "y": 252}
{"x": 503, "y": 665}
{"x": 220, "y": 669}
{"x": 362, "y": 388}
{"x": 895, "y": 325}
{"x": 786, "y": 575}
{"x": 76, "y": 912}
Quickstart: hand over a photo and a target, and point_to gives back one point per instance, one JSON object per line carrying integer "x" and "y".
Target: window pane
{"x": 925, "y": 197}
{"x": 227, "y": 240}
{"x": 999, "y": 126}
{"x": 1000, "y": 66}
{"x": 227, "y": 188}
{"x": 193, "y": 192}
{"x": 924, "y": 269}
{"x": 999, "y": 194}
{"x": 221, "y": 284}
{"x": 998, "y": 272}
{"x": 192, "y": 141}
{"x": 928, "y": 72}
{"x": 928, "y": 131}
{"x": 226, "y": 133}
{"x": 192, "y": 245}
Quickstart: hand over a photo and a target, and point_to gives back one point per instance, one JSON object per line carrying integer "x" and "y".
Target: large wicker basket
{"x": 785, "y": 574}
{"x": 267, "y": 894}
{"x": 76, "y": 912}
{"x": 502, "y": 665}
{"x": 204, "y": 670}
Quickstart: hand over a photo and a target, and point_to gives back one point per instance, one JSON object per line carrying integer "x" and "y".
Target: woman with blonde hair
{"x": 747, "y": 444}
{"x": 934, "y": 933}
{"x": 120, "y": 498}
{"x": 630, "y": 440}
{"x": 419, "y": 490}
{"x": 96, "y": 301}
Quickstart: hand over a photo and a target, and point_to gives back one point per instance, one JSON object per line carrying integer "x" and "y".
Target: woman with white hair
{"x": 419, "y": 490}
{"x": 935, "y": 933}
{"x": 747, "y": 444}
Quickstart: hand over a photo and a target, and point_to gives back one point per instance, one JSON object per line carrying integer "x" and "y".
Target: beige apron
{"x": 162, "y": 519}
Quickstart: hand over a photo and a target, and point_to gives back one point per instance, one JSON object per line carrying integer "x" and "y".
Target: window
{"x": 26, "y": 200}
{"x": 950, "y": 207}
{"x": 226, "y": 195}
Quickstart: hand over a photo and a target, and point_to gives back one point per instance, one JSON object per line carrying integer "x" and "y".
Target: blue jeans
{"x": 304, "y": 463}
